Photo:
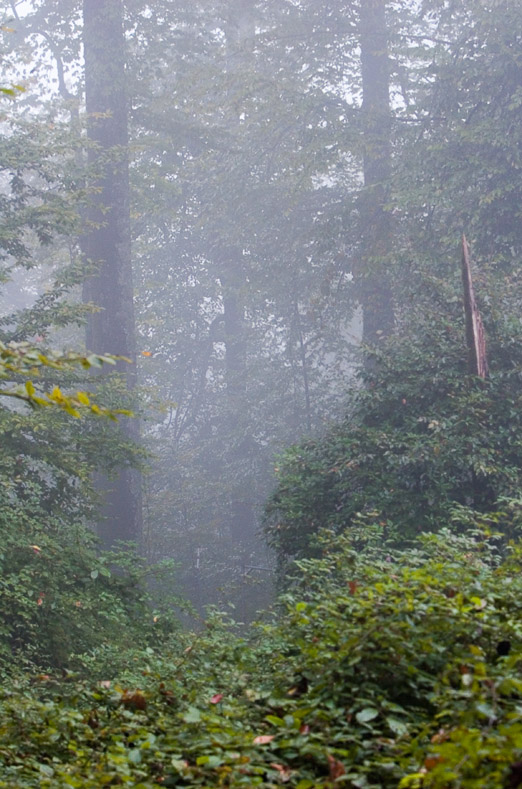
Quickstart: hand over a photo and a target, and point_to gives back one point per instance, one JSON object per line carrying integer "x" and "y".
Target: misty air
{"x": 261, "y": 394}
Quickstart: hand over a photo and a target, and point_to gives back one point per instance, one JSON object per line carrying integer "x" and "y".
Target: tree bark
{"x": 106, "y": 243}
{"x": 240, "y": 517}
{"x": 475, "y": 334}
{"x": 240, "y": 34}
{"x": 374, "y": 280}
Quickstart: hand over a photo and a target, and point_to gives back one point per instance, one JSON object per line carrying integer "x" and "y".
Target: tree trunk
{"x": 106, "y": 242}
{"x": 240, "y": 516}
{"x": 240, "y": 33}
{"x": 475, "y": 334}
{"x": 374, "y": 280}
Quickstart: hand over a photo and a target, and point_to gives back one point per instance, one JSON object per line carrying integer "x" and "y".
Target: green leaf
{"x": 178, "y": 764}
{"x": 210, "y": 761}
{"x": 134, "y": 756}
{"x": 275, "y": 720}
{"x": 397, "y": 726}
{"x": 192, "y": 715}
{"x": 366, "y": 715}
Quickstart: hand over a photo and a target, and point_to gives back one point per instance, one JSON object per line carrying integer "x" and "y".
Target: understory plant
{"x": 421, "y": 435}
{"x": 383, "y": 668}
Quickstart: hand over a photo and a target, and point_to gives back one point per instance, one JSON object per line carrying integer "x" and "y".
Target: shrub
{"x": 421, "y": 437}
{"x": 385, "y": 668}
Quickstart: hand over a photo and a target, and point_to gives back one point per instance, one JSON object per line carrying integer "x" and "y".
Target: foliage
{"x": 60, "y": 598}
{"x": 421, "y": 436}
{"x": 23, "y": 359}
{"x": 462, "y": 170}
{"x": 383, "y": 667}
{"x": 386, "y": 667}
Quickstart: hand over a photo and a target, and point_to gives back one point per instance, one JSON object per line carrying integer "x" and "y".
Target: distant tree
{"x": 421, "y": 440}
{"x": 371, "y": 271}
{"x": 247, "y": 336}
{"x": 463, "y": 169}
{"x": 106, "y": 240}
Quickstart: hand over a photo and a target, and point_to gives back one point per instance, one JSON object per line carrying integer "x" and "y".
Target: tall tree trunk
{"x": 240, "y": 32}
{"x": 374, "y": 280}
{"x": 107, "y": 238}
{"x": 241, "y": 516}
{"x": 233, "y": 284}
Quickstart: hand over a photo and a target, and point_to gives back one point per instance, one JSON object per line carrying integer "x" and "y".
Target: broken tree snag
{"x": 475, "y": 335}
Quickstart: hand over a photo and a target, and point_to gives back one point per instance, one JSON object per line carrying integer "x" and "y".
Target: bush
{"x": 421, "y": 437}
{"x": 60, "y": 598}
{"x": 386, "y": 668}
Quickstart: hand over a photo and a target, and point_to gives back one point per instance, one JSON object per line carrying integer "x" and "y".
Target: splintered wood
{"x": 475, "y": 335}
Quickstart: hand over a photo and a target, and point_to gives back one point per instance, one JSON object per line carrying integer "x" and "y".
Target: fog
{"x": 223, "y": 193}
{"x": 260, "y": 393}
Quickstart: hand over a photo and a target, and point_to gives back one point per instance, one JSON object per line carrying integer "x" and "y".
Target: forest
{"x": 261, "y": 393}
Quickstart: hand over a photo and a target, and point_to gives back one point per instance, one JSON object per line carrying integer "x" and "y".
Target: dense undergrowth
{"x": 383, "y": 668}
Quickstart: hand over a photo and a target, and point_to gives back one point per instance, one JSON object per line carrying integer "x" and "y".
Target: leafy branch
{"x": 24, "y": 359}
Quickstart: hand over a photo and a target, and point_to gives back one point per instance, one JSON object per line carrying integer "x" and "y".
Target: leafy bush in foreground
{"x": 386, "y": 669}
{"x": 62, "y": 603}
